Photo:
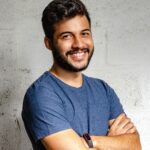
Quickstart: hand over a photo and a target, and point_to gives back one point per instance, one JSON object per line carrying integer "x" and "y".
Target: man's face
{"x": 72, "y": 45}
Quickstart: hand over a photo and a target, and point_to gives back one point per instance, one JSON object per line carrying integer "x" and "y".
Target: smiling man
{"x": 72, "y": 45}
{"x": 65, "y": 109}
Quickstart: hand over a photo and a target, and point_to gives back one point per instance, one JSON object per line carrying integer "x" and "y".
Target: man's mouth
{"x": 77, "y": 52}
{"x": 77, "y": 55}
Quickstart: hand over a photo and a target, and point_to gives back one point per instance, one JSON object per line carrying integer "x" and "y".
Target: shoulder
{"x": 101, "y": 87}
{"x": 39, "y": 90}
{"x": 43, "y": 81}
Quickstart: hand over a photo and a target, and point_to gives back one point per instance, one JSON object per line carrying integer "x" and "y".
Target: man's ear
{"x": 48, "y": 43}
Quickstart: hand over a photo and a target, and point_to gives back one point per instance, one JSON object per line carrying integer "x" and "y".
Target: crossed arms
{"x": 122, "y": 135}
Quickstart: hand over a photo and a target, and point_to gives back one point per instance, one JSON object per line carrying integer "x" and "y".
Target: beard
{"x": 64, "y": 64}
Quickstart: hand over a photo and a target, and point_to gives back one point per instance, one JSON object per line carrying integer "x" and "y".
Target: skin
{"x": 72, "y": 34}
{"x": 122, "y": 135}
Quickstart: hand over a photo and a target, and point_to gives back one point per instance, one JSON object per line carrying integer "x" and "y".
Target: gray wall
{"x": 121, "y": 30}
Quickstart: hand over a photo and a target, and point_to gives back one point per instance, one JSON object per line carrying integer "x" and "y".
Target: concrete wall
{"x": 121, "y": 30}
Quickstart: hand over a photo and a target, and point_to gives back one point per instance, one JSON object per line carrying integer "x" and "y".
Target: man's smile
{"x": 78, "y": 55}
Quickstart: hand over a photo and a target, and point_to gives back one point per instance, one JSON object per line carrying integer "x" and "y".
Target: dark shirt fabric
{"x": 51, "y": 106}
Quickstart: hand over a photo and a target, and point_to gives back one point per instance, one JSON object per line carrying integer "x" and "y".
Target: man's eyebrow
{"x": 86, "y": 30}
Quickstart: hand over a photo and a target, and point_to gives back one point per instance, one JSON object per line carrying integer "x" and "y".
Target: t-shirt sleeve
{"x": 43, "y": 113}
{"x": 115, "y": 106}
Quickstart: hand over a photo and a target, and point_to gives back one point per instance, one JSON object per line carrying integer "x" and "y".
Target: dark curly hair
{"x": 58, "y": 10}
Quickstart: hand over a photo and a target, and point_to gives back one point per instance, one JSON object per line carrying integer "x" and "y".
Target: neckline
{"x": 65, "y": 84}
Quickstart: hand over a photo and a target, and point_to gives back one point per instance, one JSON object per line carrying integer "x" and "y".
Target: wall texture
{"x": 121, "y": 31}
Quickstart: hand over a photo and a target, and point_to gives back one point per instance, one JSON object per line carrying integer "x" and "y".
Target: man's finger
{"x": 132, "y": 130}
{"x": 111, "y": 122}
{"x": 118, "y": 120}
{"x": 125, "y": 122}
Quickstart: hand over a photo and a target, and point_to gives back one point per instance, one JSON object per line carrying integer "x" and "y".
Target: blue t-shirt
{"x": 50, "y": 106}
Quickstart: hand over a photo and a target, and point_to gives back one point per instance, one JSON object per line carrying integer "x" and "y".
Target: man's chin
{"x": 78, "y": 69}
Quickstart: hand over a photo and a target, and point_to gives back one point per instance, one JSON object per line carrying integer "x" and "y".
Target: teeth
{"x": 79, "y": 54}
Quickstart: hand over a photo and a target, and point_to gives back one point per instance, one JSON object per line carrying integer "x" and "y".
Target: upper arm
{"x": 63, "y": 140}
{"x": 43, "y": 113}
{"x": 115, "y": 107}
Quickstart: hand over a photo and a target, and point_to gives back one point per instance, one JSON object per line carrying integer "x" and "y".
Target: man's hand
{"x": 122, "y": 134}
{"x": 121, "y": 125}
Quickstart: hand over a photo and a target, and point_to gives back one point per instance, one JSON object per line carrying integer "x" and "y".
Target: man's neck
{"x": 73, "y": 79}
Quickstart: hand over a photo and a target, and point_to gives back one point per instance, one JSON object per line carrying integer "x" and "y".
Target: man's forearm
{"x": 120, "y": 142}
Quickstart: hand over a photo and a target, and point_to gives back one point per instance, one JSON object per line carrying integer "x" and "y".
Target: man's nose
{"x": 78, "y": 43}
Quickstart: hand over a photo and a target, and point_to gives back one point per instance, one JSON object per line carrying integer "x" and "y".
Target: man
{"x": 64, "y": 109}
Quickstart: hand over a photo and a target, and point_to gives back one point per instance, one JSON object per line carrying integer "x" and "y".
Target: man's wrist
{"x": 97, "y": 142}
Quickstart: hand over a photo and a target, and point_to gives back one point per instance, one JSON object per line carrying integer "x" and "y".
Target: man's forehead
{"x": 75, "y": 23}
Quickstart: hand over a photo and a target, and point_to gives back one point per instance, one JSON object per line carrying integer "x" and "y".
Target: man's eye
{"x": 66, "y": 37}
{"x": 85, "y": 34}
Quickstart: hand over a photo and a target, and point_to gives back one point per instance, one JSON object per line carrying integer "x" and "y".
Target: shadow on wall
{"x": 13, "y": 83}
{"x": 10, "y": 134}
